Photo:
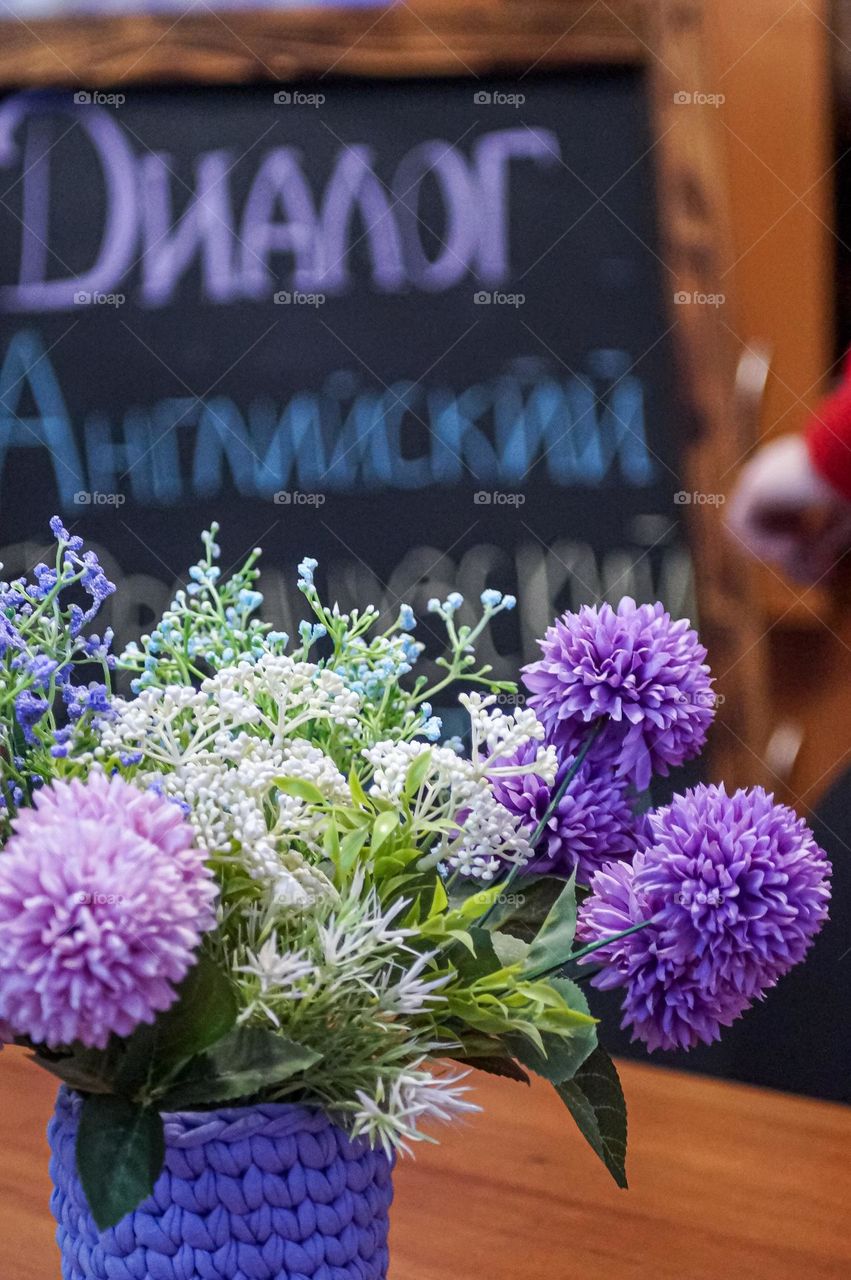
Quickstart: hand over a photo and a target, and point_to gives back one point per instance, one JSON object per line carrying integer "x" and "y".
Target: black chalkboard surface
{"x": 421, "y": 331}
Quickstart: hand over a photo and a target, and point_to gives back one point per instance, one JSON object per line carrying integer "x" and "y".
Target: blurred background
{"x": 502, "y": 297}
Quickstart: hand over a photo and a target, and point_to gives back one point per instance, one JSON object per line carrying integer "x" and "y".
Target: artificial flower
{"x": 732, "y": 890}
{"x": 592, "y": 822}
{"x": 104, "y": 899}
{"x": 631, "y": 673}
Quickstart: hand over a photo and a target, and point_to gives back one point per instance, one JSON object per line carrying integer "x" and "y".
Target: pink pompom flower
{"x": 103, "y": 901}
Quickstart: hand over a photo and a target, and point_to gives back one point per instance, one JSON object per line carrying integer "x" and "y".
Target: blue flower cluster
{"x": 43, "y": 647}
{"x": 209, "y": 624}
{"x": 493, "y": 601}
{"x": 369, "y": 666}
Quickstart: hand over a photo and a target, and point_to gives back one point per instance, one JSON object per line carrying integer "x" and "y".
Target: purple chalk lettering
{"x": 493, "y": 154}
{"x": 35, "y": 292}
{"x": 458, "y": 190}
{"x": 279, "y": 184}
{"x": 353, "y": 186}
{"x": 204, "y": 228}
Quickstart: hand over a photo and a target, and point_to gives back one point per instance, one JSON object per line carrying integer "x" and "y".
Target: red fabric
{"x": 828, "y": 435}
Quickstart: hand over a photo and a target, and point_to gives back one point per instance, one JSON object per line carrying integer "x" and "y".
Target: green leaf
{"x": 417, "y": 770}
{"x": 120, "y": 1153}
{"x": 205, "y": 1010}
{"x": 439, "y": 901}
{"x": 552, "y": 945}
{"x": 301, "y": 788}
{"x": 350, "y": 847}
{"x": 478, "y": 904}
{"x": 507, "y": 1068}
{"x": 358, "y": 793}
{"x": 523, "y": 910}
{"x": 595, "y": 1100}
{"x": 383, "y": 828}
{"x": 483, "y": 959}
{"x": 244, "y": 1063}
{"x": 564, "y": 1053}
{"x": 462, "y": 936}
{"x": 391, "y": 863}
{"x": 487, "y": 1015}
{"x": 510, "y": 950}
{"x": 86, "y": 1070}
{"x": 331, "y": 843}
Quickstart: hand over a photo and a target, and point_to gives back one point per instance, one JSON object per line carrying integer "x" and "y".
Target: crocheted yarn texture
{"x": 273, "y": 1192}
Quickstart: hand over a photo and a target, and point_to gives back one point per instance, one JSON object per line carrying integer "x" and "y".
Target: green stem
{"x": 559, "y": 793}
{"x": 604, "y": 942}
{"x": 587, "y": 951}
{"x": 555, "y": 801}
{"x": 452, "y": 881}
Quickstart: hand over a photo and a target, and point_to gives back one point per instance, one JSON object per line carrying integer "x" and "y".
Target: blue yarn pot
{"x": 271, "y": 1192}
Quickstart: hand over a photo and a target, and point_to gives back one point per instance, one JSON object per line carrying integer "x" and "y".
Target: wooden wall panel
{"x": 774, "y": 62}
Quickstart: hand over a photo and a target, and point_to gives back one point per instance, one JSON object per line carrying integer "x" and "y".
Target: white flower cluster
{"x": 390, "y": 761}
{"x": 236, "y": 808}
{"x": 159, "y": 723}
{"x": 495, "y": 734}
{"x": 290, "y": 694}
{"x": 220, "y": 751}
{"x": 481, "y": 836}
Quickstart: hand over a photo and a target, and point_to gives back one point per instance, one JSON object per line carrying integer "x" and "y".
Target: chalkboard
{"x": 438, "y": 333}
{"x": 431, "y": 364}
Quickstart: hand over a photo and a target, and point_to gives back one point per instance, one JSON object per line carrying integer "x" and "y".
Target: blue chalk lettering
{"x": 27, "y": 367}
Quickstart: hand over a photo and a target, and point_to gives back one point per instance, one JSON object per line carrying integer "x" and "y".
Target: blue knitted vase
{"x": 271, "y": 1192}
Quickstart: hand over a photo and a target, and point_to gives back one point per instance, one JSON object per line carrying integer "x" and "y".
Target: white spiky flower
{"x": 393, "y": 1113}
{"x": 280, "y": 975}
{"x": 361, "y": 928}
{"x": 411, "y": 993}
{"x": 282, "y": 971}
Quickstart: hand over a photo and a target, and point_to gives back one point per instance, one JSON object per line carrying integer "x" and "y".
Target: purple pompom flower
{"x": 103, "y": 901}
{"x": 592, "y": 823}
{"x": 635, "y": 666}
{"x": 735, "y": 887}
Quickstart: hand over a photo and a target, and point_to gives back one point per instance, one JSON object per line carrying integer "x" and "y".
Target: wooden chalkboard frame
{"x": 442, "y": 38}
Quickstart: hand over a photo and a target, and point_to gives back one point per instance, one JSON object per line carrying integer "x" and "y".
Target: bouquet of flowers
{"x": 264, "y": 876}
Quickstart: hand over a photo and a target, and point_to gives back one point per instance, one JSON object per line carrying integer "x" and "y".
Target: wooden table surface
{"x": 727, "y": 1183}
